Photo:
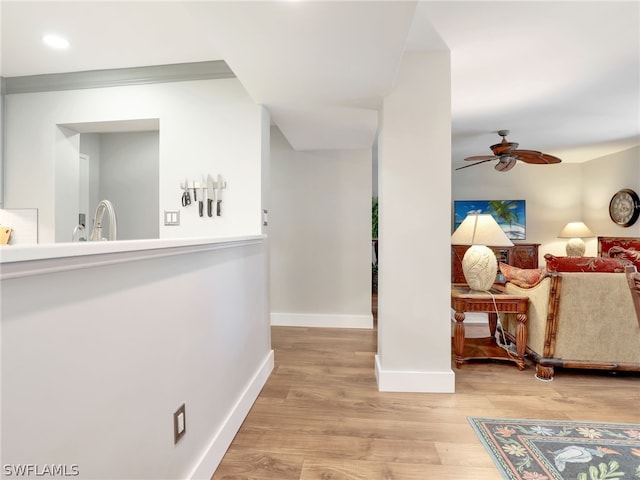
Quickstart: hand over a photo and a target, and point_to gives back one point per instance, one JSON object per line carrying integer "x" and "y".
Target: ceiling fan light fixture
{"x": 503, "y": 147}
{"x": 506, "y": 162}
{"x": 507, "y": 154}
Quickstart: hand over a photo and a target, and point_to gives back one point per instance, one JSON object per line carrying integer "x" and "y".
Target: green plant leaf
{"x": 374, "y": 217}
{"x": 602, "y": 472}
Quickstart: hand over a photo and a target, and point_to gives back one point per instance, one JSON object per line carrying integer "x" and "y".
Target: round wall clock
{"x": 624, "y": 208}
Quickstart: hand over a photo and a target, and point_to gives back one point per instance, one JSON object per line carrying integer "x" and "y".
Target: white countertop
{"x": 25, "y": 260}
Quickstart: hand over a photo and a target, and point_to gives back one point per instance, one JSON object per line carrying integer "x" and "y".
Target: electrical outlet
{"x": 179, "y": 423}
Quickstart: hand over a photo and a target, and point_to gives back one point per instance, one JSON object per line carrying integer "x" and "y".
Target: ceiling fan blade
{"x": 477, "y": 163}
{"x": 538, "y": 158}
{"x": 481, "y": 157}
{"x": 506, "y": 165}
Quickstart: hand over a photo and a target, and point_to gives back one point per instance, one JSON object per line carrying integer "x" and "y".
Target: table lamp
{"x": 479, "y": 263}
{"x": 575, "y": 232}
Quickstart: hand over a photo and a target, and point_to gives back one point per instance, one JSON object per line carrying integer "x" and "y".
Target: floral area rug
{"x": 561, "y": 450}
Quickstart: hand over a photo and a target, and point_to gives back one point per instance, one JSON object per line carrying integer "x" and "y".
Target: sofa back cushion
{"x": 583, "y": 264}
{"x": 626, "y": 256}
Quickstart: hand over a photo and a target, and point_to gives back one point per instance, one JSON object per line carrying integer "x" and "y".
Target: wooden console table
{"x": 463, "y": 299}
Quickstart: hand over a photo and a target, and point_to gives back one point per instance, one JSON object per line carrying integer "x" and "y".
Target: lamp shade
{"x": 480, "y": 229}
{"x": 576, "y": 230}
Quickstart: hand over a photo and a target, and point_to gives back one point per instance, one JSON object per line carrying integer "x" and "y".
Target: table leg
{"x": 521, "y": 339}
{"x": 458, "y": 338}
{"x": 493, "y": 323}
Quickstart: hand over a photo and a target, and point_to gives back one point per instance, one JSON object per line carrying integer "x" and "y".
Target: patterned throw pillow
{"x": 522, "y": 277}
{"x": 626, "y": 256}
{"x": 583, "y": 264}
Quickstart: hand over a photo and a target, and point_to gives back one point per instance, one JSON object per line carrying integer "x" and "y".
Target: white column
{"x": 414, "y": 336}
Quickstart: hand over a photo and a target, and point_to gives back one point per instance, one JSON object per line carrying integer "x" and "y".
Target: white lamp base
{"x": 480, "y": 267}
{"x": 575, "y": 247}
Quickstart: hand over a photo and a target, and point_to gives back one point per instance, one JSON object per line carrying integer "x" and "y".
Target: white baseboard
{"x": 422, "y": 382}
{"x": 218, "y": 446}
{"x": 321, "y": 320}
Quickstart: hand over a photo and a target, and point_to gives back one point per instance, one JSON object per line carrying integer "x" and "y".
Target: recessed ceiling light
{"x": 55, "y": 41}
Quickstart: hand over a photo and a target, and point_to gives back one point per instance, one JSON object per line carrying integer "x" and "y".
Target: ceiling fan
{"x": 506, "y": 153}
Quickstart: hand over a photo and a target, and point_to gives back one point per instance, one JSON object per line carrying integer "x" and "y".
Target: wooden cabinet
{"x": 521, "y": 255}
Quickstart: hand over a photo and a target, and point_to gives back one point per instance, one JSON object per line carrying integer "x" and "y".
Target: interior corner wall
{"x": 414, "y": 155}
{"x": 603, "y": 177}
{"x": 320, "y": 236}
{"x": 66, "y": 171}
{"x": 90, "y": 146}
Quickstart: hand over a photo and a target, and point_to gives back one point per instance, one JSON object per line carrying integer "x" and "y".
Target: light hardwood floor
{"x": 321, "y": 416}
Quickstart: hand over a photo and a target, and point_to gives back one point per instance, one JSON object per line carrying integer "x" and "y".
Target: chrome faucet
{"x": 96, "y": 231}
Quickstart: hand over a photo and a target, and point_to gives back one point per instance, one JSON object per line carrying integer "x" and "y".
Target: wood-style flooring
{"x": 321, "y": 416}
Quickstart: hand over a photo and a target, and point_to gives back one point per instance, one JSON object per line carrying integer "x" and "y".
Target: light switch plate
{"x": 172, "y": 217}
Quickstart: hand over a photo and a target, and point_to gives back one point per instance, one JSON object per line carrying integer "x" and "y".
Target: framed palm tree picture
{"x": 510, "y": 214}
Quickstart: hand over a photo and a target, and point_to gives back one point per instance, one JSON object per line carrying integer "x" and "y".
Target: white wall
{"x": 123, "y": 168}
{"x": 602, "y": 178}
{"x": 90, "y": 145}
{"x": 209, "y": 126}
{"x": 414, "y": 336}
{"x": 2, "y": 144}
{"x": 557, "y": 194}
{"x": 95, "y": 360}
{"x": 320, "y": 236}
{"x": 266, "y": 168}
{"x": 129, "y": 176}
{"x": 66, "y": 185}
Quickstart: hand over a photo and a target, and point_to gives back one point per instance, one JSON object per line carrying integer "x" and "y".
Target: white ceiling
{"x": 564, "y": 77}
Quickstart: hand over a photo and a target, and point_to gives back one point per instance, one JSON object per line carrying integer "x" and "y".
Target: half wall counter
{"x": 102, "y": 342}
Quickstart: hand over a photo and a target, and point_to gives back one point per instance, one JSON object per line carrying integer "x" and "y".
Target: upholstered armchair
{"x": 633, "y": 278}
